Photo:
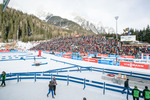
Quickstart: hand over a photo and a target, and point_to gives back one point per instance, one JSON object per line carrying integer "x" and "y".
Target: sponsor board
{"x": 40, "y": 53}
{"x": 128, "y": 38}
{"x": 102, "y": 55}
{"x": 90, "y": 60}
{"x": 75, "y": 58}
{"x": 134, "y": 65}
{"x": 48, "y": 51}
{"x": 106, "y": 62}
{"x": 58, "y": 55}
{"x": 112, "y": 55}
{"x": 57, "y": 52}
{"x": 91, "y": 54}
{"x": 132, "y": 57}
{"x": 4, "y": 51}
{"x": 69, "y": 53}
{"x": 82, "y": 54}
{"x": 67, "y": 56}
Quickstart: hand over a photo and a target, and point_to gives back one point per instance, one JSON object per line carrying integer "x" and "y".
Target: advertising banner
{"x": 128, "y": 38}
{"x": 90, "y": 60}
{"x": 57, "y": 52}
{"x": 134, "y": 65}
{"x": 107, "y": 62}
{"x": 82, "y": 54}
{"x": 141, "y": 66}
{"x": 145, "y": 57}
{"x": 132, "y": 57}
{"x": 91, "y": 54}
{"x": 4, "y": 51}
{"x": 102, "y": 55}
{"x": 69, "y": 53}
{"x": 58, "y": 55}
{"x": 112, "y": 55}
{"x": 48, "y": 51}
{"x": 76, "y": 53}
{"x": 75, "y": 58}
{"x": 40, "y": 53}
{"x": 125, "y": 64}
{"x": 67, "y": 56}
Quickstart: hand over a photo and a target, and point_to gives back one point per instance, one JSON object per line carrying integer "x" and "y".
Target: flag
{"x": 129, "y": 33}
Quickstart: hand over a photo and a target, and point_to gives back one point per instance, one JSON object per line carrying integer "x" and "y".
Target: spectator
{"x": 84, "y": 98}
{"x": 136, "y": 93}
{"x": 94, "y": 43}
{"x": 3, "y": 76}
{"x": 50, "y": 89}
{"x": 54, "y": 85}
{"x": 126, "y": 85}
{"x": 146, "y": 93}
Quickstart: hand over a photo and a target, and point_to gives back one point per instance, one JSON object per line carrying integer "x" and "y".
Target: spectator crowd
{"x": 90, "y": 44}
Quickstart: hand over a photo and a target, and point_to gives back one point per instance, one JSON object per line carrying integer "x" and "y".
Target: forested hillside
{"x": 29, "y": 27}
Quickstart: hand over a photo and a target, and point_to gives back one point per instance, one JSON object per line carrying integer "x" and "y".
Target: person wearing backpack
{"x": 136, "y": 93}
{"x": 3, "y": 76}
{"x": 146, "y": 93}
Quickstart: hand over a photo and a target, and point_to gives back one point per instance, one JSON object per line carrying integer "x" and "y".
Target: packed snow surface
{"x": 30, "y": 90}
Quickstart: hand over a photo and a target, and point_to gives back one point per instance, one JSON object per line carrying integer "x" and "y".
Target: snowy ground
{"x": 29, "y": 90}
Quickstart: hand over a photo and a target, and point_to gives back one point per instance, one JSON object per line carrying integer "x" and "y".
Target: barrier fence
{"x": 113, "y": 61}
{"x": 103, "y": 70}
{"x": 116, "y": 60}
{"x": 85, "y": 82}
{"x": 104, "y": 86}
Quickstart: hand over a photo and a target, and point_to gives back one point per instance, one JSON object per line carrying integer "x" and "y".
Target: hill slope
{"x": 30, "y": 27}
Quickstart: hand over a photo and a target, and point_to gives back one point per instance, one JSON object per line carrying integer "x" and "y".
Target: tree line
{"x": 16, "y": 24}
{"x": 142, "y": 35}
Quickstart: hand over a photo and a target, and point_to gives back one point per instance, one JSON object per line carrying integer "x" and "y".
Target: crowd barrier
{"x": 134, "y": 65}
{"x": 103, "y": 70}
{"x": 106, "y": 59}
{"x": 27, "y": 56}
{"x": 76, "y": 58}
{"x": 4, "y": 51}
{"x": 85, "y": 82}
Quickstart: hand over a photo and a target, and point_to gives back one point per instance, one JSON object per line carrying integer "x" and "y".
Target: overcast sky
{"x": 132, "y": 13}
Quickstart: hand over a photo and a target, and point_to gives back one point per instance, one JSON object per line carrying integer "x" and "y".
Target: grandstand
{"x": 93, "y": 44}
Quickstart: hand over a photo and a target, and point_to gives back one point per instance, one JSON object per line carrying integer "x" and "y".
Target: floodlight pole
{"x": 116, "y": 17}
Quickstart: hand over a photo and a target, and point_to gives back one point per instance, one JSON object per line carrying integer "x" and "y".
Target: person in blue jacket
{"x": 126, "y": 86}
{"x": 51, "y": 89}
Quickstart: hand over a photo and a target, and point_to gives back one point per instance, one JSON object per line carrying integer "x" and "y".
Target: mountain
{"x": 76, "y": 22}
{"x": 66, "y": 24}
{"x": 98, "y": 29}
{"x": 16, "y": 24}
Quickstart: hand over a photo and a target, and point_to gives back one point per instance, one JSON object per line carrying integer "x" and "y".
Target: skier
{"x": 50, "y": 89}
{"x": 84, "y": 98}
{"x": 54, "y": 85}
{"x": 146, "y": 93}
{"x": 126, "y": 85}
{"x": 136, "y": 93}
{"x": 3, "y": 76}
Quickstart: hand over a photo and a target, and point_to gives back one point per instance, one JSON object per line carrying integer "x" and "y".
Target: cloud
{"x": 132, "y": 13}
